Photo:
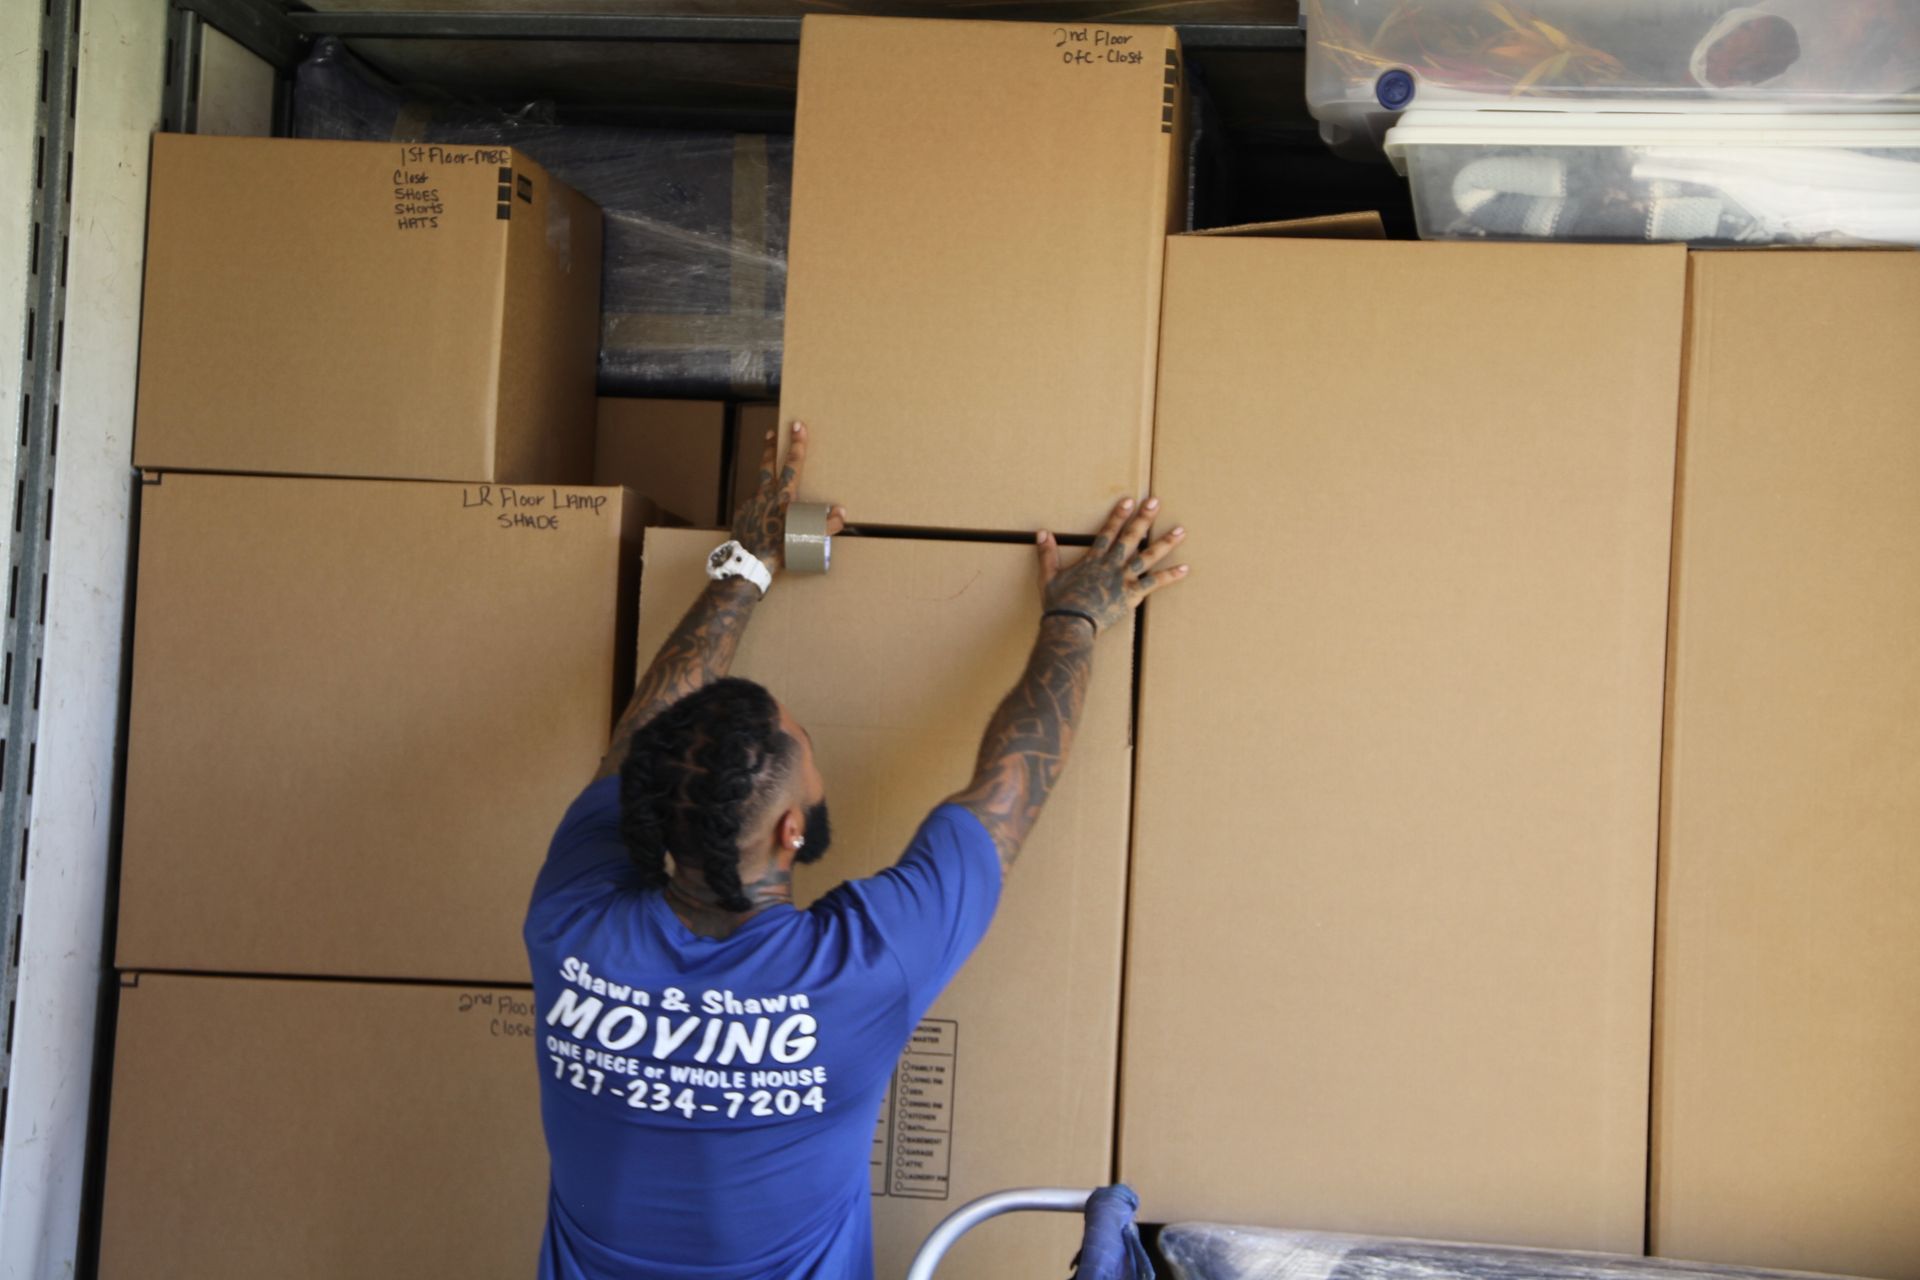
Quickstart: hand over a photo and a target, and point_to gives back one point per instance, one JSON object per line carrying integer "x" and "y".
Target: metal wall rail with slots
{"x": 48, "y": 124}
{"x": 74, "y": 182}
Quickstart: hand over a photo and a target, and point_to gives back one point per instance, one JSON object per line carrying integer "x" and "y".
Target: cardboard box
{"x": 751, "y": 422}
{"x": 973, "y": 307}
{"x": 895, "y": 662}
{"x": 1328, "y": 226}
{"x": 367, "y": 309}
{"x": 1787, "y": 1114}
{"x": 1390, "y": 942}
{"x": 359, "y": 710}
{"x": 313, "y": 1130}
{"x": 671, "y": 451}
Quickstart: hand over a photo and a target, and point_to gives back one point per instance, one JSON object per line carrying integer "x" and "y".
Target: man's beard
{"x": 819, "y": 835}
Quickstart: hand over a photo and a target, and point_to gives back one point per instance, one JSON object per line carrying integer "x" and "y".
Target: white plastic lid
{"x": 1662, "y": 127}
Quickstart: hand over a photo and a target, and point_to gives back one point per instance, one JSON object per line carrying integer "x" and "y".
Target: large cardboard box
{"x": 671, "y": 451}
{"x": 973, "y": 301}
{"x": 367, "y": 309}
{"x": 1391, "y": 934}
{"x": 1787, "y": 1105}
{"x": 314, "y": 1130}
{"x": 359, "y": 710}
{"x": 895, "y": 662}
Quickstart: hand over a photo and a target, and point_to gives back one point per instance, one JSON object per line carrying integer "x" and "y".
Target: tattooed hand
{"x": 1116, "y": 574}
{"x": 760, "y": 525}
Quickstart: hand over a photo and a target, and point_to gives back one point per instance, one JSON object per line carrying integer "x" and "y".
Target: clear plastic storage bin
{"x": 1369, "y": 60}
{"x": 1695, "y": 177}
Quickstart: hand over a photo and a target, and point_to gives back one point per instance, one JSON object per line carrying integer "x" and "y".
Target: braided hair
{"x": 696, "y": 776}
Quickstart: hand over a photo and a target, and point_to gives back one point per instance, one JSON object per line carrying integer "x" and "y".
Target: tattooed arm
{"x": 699, "y": 651}
{"x": 701, "y": 648}
{"x": 1027, "y": 740}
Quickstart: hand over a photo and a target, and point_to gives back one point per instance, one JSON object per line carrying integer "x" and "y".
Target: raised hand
{"x": 1117, "y": 573}
{"x": 760, "y": 525}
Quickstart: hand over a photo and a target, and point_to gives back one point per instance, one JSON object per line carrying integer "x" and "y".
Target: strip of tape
{"x": 809, "y": 549}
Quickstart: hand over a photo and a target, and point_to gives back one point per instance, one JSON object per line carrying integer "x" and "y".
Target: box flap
{"x": 1332, "y": 226}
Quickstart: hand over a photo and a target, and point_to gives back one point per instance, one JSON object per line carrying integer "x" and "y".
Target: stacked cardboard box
{"x": 1786, "y": 1114}
{"x": 973, "y": 301}
{"x": 358, "y": 709}
{"x": 314, "y": 1130}
{"x": 1392, "y": 912}
{"x": 379, "y": 636}
{"x": 357, "y": 309}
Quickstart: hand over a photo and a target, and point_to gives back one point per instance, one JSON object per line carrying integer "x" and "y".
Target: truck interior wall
{"x": 236, "y": 90}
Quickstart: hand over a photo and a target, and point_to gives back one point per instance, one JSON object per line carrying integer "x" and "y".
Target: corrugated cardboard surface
{"x": 361, "y": 309}
{"x": 317, "y": 1130}
{"x": 979, "y": 219}
{"x": 672, "y": 451}
{"x": 359, "y": 709}
{"x": 1787, "y": 1100}
{"x": 1391, "y": 928}
{"x": 894, "y": 662}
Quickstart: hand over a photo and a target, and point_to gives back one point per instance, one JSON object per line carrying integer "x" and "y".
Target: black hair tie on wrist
{"x": 1072, "y": 613}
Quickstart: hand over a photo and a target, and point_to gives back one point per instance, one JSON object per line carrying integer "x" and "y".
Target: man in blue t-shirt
{"x": 712, "y": 1059}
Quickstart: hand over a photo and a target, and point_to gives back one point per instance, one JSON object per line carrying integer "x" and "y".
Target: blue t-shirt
{"x": 710, "y": 1105}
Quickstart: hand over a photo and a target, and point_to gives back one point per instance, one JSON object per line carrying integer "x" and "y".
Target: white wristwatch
{"x": 731, "y": 560}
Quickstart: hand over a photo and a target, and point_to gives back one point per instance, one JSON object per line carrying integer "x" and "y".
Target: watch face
{"x": 720, "y": 556}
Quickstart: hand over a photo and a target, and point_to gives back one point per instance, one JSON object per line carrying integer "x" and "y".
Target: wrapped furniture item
{"x": 1694, "y": 177}
{"x": 1369, "y": 60}
{"x": 694, "y": 262}
{"x": 1203, "y": 1251}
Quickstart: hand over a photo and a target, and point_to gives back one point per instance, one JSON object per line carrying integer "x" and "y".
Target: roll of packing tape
{"x": 809, "y": 549}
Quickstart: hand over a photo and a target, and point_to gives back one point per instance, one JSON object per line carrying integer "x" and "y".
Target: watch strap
{"x": 738, "y": 562}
